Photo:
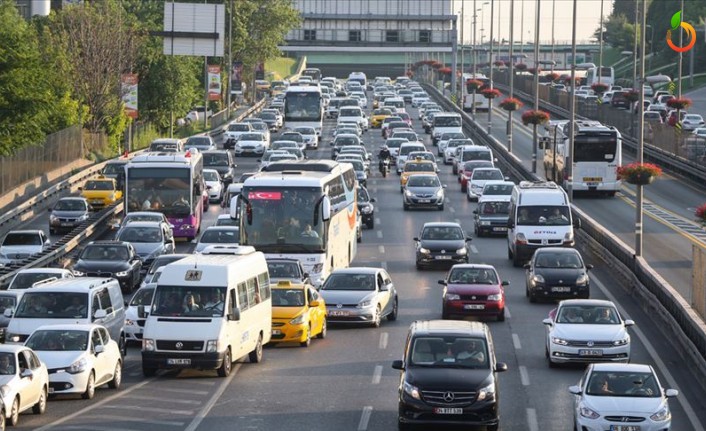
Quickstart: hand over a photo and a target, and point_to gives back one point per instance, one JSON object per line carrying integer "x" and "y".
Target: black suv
{"x": 223, "y": 162}
{"x": 366, "y": 207}
{"x": 115, "y": 259}
{"x": 441, "y": 243}
{"x": 449, "y": 376}
{"x": 557, "y": 273}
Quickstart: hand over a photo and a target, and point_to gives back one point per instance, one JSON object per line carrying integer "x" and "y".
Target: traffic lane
{"x": 698, "y": 98}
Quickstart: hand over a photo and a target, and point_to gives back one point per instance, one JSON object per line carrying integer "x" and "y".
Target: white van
{"x": 445, "y": 122}
{"x": 353, "y": 114}
{"x": 359, "y": 77}
{"x": 207, "y": 312}
{"x": 540, "y": 216}
{"x": 395, "y": 102}
{"x": 81, "y": 300}
{"x": 404, "y": 151}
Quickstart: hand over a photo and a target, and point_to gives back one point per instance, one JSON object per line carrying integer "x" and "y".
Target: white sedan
{"x": 251, "y": 144}
{"x": 621, "y": 397}
{"x": 218, "y": 235}
{"x": 479, "y": 178}
{"x": 214, "y": 185}
{"x": 24, "y": 381}
{"x": 692, "y": 121}
{"x": 81, "y": 357}
{"x": 586, "y": 330}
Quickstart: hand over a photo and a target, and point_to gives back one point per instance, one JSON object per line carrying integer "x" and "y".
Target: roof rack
{"x": 45, "y": 281}
{"x": 538, "y": 185}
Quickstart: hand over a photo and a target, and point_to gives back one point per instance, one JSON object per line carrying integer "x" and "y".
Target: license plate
{"x": 66, "y": 224}
{"x": 474, "y": 307}
{"x": 97, "y": 201}
{"x": 500, "y": 229}
{"x": 592, "y": 179}
{"x": 448, "y": 411}
{"x": 178, "y": 361}
{"x": 51, "y": 390}
{"x": 424, "y": 201}
{"x": 625, "y": 428}
{"x": 338, "y": 313}
{"x": 276, "y": 332}
{"x": 561, "y": 289}
{"x": 443, "y": 257}
{"x": 590, "y": 352}
{"x": 591, "y": 184}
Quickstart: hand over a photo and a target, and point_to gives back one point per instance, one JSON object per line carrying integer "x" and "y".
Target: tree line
{"x": 65, "y": 69}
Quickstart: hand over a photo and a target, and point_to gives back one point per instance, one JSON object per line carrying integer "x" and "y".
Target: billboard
{"x": 260, "y": 70}
{"x": 194, "y": 29}
{"x": 129, "y": 91}
{"x": 214, "y": 82}
{"x": 236, "y": 78}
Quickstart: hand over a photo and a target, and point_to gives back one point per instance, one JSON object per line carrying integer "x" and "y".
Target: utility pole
{"x": 572, "y": 112}
{"x": 641, "y": 136}
{"x": 454, "y": 58}
{"x": 230, "y": 56}
{"x": 490, "y": 62}
{"x": 522, "y": 28}
{"x": 463, "y": 58}
{"x": 512, "y": 76}
{"x": 681, "y": 55}
{"x": 536, "y": 85}
{"x": 553, "y": 13}
{"x": 634, "y": 51}
{"x": 475, "y": 55}
{"x": 600, "y": 48}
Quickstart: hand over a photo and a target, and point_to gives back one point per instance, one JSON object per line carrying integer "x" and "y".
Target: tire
{"x": 480, "y": 233}
{"x": 227, "y": 365}
{"x": 509, "y": 253}
{"x": 370, "y": 224}
{"x": 516, "y": 262}
{"x": 378, "y": 318}
{"x": 90, "y": 387}
{"x": 495, "y": 427}
{"x": 444, "y": 315}
{"x": 419, "y": 267}
{"x": 52, "y": 231}
{"x": 441, "y": 207}
{"x": 122, "y": 345}
{"x": 501, "y": 316}
{"x": 14, "y": 413}
{"x": 401, "y": 426}
{"x": 117, "y": 376}
{"x": 148, "y": 371}
{"x": 2, "y": 420}
{"x": 41, "y": 405}
{"x": 454, "y": 171}
{"x": 359, "y": 237}
{"x": 405, "y": 207}
{"x": 324, "y": 330}
{"x": 393, "y": 314}
{"x": 468, "y": 198}
{"x": 256, "y": 355}
{"x": 526, "y": 291}
{"x": 532, "y": 297}
{"x": 307, "y": 342}
{"x": 464, "y": 189}
{"x": 401, "y": 189}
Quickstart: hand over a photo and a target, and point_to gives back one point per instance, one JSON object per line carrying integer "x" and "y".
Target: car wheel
{"x": 122, "y": 345}
{"x": 419, "y": 266}
{"x": 14, "y": 412}
{"x": 117, "y": 376}
{"x": 551, "y": 363}
{"x": 393, "y": 314}
{"x": 307, "y": 342}
{"x": 2, "y": 420}
{"x": 401, "y": 426}
{"x": 516, "y": 262}
{"x": 464, "y": 189}
{"x": 405, "y": 207}
{"x": 90, "y": 387}
{"x": 52, "y": 231}
{"x": 256, "y": 355}
{"x": 324, "y": 330}
{"x": 224, "y": 370}
{"x": 468, "y": 198}
{"x": 532, "y": 297}
{"x": 359, "y": 237}
{"x": 495, "y": 427}
{"x": 377, "y": 319}
{"x": 148, "y": 371}
{"x": 370, "y": 224}
{"x": 41, "y": 405}
{"x": 501, "y": 316}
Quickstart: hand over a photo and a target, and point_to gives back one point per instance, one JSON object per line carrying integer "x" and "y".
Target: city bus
{"x": 313, "y": 73}
{"x": 305, "y": 210}
{"x": 170, "y": 183}
{"x": 607, "y": 76}
{"x": 597, "y": 154}
{"x": 482, "y": 104}
{"x": 303, "y": 107}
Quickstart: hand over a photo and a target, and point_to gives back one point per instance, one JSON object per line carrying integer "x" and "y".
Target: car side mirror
{"x": 141, "y": 313}
{"x": 629, "y": 322}
{"x": 384, "y": 288}
{"x": 443, "y": 282}
{"x": 416, "y": 238}
{"x": 8, "y": 312}
{"x": 500, "y": 367}
{"x": 99, "y": 349}
{"x": 314, "y": 304}
{"x": 510, "y": 224}
{"x": 398, "y": 365}
{"x": 577, "y": 223}
{"x": 548, "y": 322}
{"x": 373, "y": 200}
{"x": 589, "y": 266}
{"x": 26, "y": 373}
{"x": 505, "y": 283}
{"x": 99, "y": 314}
{"x": 444, "y": 185}
{"x": 468, "y": 238}
{"x": 671, "y": 393}
{"x": 234, "y": 314}
{"x": 259, "y": 160}
{"x": 575, "y": 390}
{"x": 526, "y": 266}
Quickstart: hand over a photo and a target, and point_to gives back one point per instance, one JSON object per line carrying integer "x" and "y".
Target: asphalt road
{"x": 698, "y": 97}
{"x": 345, "y": 382}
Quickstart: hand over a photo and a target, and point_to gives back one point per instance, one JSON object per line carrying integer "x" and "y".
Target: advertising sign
{"x": 236, "y": 78}
{"x": 214, "y": 82}
{"x": 129, "y": 91}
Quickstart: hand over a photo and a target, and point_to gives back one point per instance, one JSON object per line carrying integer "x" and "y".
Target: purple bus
{"x": 170, "y": 183}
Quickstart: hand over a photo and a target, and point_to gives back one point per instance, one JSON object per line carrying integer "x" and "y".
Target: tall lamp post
{"x": 512, "y": 75}
{"x": 475, "y": 54}
{"x": 640, "y": 136}
{"x": 681, "y": 42}
{"x": 482, "y": 20}
{"x": 553, "y": 14}
{"x": 463, "y": 58}
{"x": 490, "y": 63}
{"x": 536, "y": 85}
{"x": 572, "y": 111}
{"x": 634, "y": 50}
{"x": 600, "y": 48}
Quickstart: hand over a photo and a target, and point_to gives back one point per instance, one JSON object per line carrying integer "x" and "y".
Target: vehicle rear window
{"x": 21, "y": 238}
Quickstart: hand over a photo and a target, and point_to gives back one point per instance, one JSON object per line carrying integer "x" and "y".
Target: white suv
{"x": 21, "y": 244}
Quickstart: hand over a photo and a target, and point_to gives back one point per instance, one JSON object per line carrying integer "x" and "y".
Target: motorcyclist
{"x": 384, "y": 155}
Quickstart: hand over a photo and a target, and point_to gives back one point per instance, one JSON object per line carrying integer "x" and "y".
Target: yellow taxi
{"x": 378, "y": 117}
{"x": 263, "y": 85}
{"x": 416, "y": 166}
{"x": 298, "y": 313}
{"x": 101, "y": 192}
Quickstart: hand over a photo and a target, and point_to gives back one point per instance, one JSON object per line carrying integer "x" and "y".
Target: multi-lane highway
{"x": 345, "y": 382}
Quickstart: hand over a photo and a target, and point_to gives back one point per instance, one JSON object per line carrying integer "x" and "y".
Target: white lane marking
{"x": 452, "y": 210}
{"x": 383, "y": 265}
{"x": 524, "y": 376}
{"x": 377, "y": 374}
{"x": 365, "y": 418}
{"x": 142, "y": 420}
{"x": 135, "y": 374}
{"x": 377, "y": 220}
{"x": 381, "y": 249}
{"x": 374, "y": 182}
{"x": 95, "y": 428}
{"x": 183, "y": 391}
{"x": 383, "y": 340}
{"x": 149, "y": 398}
{"x": 200, "y": 382}
{"x": 672, "y": 383}
{"x": 150, "y": 409}
{"x": 507, "y": 312}
{"x": 474, "y": 249}
{"x": 201, "y": 415}
{"x": 379, "y": 234}
{"x": 457, "y": 221}
{"x": 94, "y": 406}
{"x": 532, "y": 420}
{"x": 516, "y": 341}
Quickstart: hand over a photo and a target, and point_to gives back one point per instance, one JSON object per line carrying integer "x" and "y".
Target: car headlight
{"x": 560, "y": 341}
{"x": 412, "y": 391}
{"x": 439, "y": 193}
{"x": 129, "y": 322}
{"x": 485, "y": 223}
{"x": 365, "y": 304}
{"x": 462, "y": 250}
{"x": 212, "y": 346}
{"x": 588, "y": 413}
{"x": 408, "y": 193}
{"x": 452, "y": 297}
{"x": 538, "y": 279}
{"x": 53, "y": 218}
{"x": 12, "y": 337}
{"x": 423, "y": 250}
{"x": 662, "y": 415}
{"x": 582, "y": 280}
{"x": 148, "y": 345}
{"x": 122, "y": 273}
{"x": 84, "y": 217}
{"x": 622, "y": 342}
{"x": 79, "y": 273}
{"x": 487, "y": 393}
{"x": 569, "y": 237}
{"x": 298, "y": 320}
{"x": 78, "y": 366}
{"x": 496, "y": 297}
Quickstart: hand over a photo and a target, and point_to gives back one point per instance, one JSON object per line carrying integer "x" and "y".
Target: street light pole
{"x": 640, "y": 137}
{"x": 553, "y": 13}
{"x": 463, "y": 58}
{"x": 230, "y": 57}
{"x": 512, "y": 76}
{"x": 482, "y": 21}
{"x": 600, "y": 48}
{"x": 681, "y": 37}
{"x": 572, "y": 112}
{"x": 490, "y": 62}
{"x": 634, "y": 51}
{"x": 522, "y": 28}
{"x": 475, "y": 55}
{"x": 536, "y": 86}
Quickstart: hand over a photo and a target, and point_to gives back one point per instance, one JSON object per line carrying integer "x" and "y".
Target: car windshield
{"x": 449, "y": 352}
{"x": 188, "y": 301}
{"x": 395, "y": 142}
{"x": 268, "y": 116}
{"x": 280, "y": 157}
{"x": 140, "y": 234}
{"x": 471, "y": 166}
{"x": 67, "y": 340}
{"x": 250, "y": 137}
{"x": 142, "y": 217}
{"x": 227, "y": 221}
{"x": 25, "y": 280}
{"x": 259, "y": 126}
{"x": 142, "y": 297}
{"x": 239, "y": 128}
{"x": 548, "y": 259}
{"x": 210, "y": 176}
{"x": 52, "y": 305}
{"x": 22, "y": 238}
{"x": 473, "y": 276}
{"x": 288, "y": 270}
{"x": 448, "y": 233}
{"x": 363, "y": 195}
{"x": 7, "y": 302}
{"x": 199, "y": 141}
{"x": 350, "y": 282}
{"x": 346, "y": 140}
{"x": 220, "y": 236}
{"x": 99, "y": 185}
{"x": 296, "y": 137}
{"x": 497, "y": 189}
{"x": 588, "y": 314}
{"x": 623, "y": 384}
{"x": 418, "y": 167}
{"x": 423, "y": 181}
{"x": 543, "y": 215}
{"x": 103, "y": 252}
{"x": 114, "y": 169}
{"x": 483, "y": 174}
{"x": 305, "y": 130}
{"x": 70, "y": 205}
{"x": 494, "y": 208}
{"x": 288, "y": 298}
{"x": 216, "y": 159}
{"x": 452, "y": 135}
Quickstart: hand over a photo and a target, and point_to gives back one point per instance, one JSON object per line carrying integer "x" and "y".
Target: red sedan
{"x": 473, "y": 290}
{"x": 465, "y": 174}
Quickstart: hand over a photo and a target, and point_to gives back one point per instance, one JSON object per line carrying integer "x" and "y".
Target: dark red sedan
{"x": 473, "y": 290}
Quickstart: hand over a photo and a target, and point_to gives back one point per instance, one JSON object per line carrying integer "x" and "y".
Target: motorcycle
{"x": 385, "y": 166}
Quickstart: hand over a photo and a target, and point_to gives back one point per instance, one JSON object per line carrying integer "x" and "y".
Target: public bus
{"x": 303, "y": 107}
{"x": 170, "y": 183}
{"x": 313, "y": 73}
{"x": 607, "y": 76}
{"x": 597, "y": 154}
{"x": 305, "y": 210}
{"x": 482, "y": 104}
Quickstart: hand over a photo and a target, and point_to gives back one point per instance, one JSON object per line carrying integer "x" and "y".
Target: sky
{"x": 587, "y": 21}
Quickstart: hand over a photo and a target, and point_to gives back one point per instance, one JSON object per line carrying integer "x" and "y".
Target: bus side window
{"x": 242, "y": 297}
{"x": 263, "y": 280}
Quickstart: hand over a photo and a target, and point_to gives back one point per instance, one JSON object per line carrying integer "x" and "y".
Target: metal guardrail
{"x": 667, "y": 160}
{"x": 661, "y": 299}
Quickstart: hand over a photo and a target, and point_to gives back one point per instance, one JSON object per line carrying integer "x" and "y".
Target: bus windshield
{"x": 282, "y": 220}
{"x": 168, "y": 187}
{"x": 304, "y": 106}
{"x": 594, "y": 149}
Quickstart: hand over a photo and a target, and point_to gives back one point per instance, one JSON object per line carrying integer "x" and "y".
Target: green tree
{"x": 619, "y": 33}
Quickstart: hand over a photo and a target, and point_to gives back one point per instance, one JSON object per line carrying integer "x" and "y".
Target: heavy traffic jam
{"x": 279, "y": 264}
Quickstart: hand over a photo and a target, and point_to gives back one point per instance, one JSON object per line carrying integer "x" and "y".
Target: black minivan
{"x": 448, "y": 375}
